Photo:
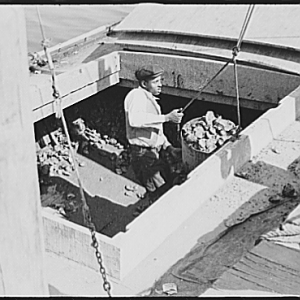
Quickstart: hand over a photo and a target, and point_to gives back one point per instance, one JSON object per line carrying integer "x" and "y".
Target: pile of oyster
{"x": 55, "y": 159}
{"x": 81, "y": 133}
{"x": 208, "y": 132}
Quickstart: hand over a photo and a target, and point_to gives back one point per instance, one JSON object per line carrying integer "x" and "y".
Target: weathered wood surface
{"x": 21, "y": 235}
{"x": 270, "y": 24}
{"x": 192, "y": 73}
{"x": 74, "y": 85}
{"x": 73, "y": 242}
{"x": 267, "y": 267}
{"x": 280, "y": 61}
{"x": 81, "y": 40}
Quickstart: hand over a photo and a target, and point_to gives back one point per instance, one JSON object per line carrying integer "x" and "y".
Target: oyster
{"x": 199, "y": 132}
{"x": 209, "y": 117}
{"x": 191, "y": 138}
{"x": 227, "y": 124}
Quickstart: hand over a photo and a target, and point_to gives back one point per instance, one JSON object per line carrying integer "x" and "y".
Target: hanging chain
{"x": 85, "y": 208}
{"x": 86, "y": 214}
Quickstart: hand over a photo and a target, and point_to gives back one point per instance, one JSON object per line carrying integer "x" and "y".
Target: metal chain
{"x": 85, "y": 208}
{"x": 91, "y": 226}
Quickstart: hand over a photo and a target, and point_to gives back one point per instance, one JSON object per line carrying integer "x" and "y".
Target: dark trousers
{"x": 150, "y": 167}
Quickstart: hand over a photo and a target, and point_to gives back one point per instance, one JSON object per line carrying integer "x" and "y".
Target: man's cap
{"x": 148, "y": 72}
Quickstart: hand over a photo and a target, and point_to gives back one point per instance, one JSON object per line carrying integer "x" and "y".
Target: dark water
{"x": 63, "y": 22}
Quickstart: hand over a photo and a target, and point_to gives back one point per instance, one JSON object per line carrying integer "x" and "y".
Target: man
{"x": 144, "y": 129}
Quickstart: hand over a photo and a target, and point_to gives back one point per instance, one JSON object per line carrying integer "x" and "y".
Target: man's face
{"x": 153, "y": 86}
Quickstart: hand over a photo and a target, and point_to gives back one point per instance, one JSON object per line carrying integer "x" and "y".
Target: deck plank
{"x": 267, "y": 267}
{"x": 279, "y": 254}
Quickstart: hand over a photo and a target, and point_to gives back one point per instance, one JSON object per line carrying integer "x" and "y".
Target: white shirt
{"x": 144, "y": 121}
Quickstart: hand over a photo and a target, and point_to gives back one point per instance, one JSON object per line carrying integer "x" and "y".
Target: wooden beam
{"x": 218, "y": 45}
{"x": 192, "y": 73}
{"x": 85, "y": 38}
{"x": 92, "y": 77}
{"x": 268, "y": 266}
{"x": 21, "y": 235}
{"x": 74, "y": 97}
{"x": 193, "y": 48}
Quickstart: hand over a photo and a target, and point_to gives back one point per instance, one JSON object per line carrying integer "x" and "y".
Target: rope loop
{"x": 235, "y": 51}
{"x": 56, "y": 95}
{"x": 45, "y": 43}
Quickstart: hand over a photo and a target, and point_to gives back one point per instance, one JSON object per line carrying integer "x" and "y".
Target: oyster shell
{"x": 191, "y": 138}
{"x": 199, "y": 132}
{"x": 209, "y": 118}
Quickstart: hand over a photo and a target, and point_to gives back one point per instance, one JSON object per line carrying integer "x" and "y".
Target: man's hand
{"x": 176, "y": 153}
{"x": 174, "y": 116}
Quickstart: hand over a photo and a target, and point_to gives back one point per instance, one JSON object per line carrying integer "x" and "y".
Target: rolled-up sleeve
{"x": 137, "y": 115}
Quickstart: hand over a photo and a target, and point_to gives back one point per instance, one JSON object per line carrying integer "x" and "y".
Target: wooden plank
{"x": 279, "y": 22}
{"x": 279, "y": 254}
{"x": 22, "y": 269}
{"x": 81, "y": 39}
{"x": 262, "y": 282}
{"x": 270, "y": 275}
{"x": 195, "y": 48}
{"x": 226, "y": 292}
{"x": 268, "y": 266}
{"x": 88, "y": 73}
{"x": 81, "y": 94}
{"x": 193, "y": 73}
{"x": 251, "y": 260}
{"x": 70, "y": 81}
{"x": 232, "y": 281}
{"x": 72, "y": 241}
{"x": 269, "y": 282}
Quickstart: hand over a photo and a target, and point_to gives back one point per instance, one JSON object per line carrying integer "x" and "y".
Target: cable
{"x": 201, "y": 89}
{"x": 45, "y": 45}
{"x": 235, "y": 52}
{"x": 245, "y": 25}
{"x": 237, "y": 94}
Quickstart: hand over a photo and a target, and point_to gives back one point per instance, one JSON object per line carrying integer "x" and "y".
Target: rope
{"x": 45, "y": 44}
{"x": 40, "y": 22}
{"x": 235, "y": 52}
{"x": 237, "y": 94}
{"x": 59, "y": 114}
{"x": 245, "y": 25}
{"x": 201, "y": 89}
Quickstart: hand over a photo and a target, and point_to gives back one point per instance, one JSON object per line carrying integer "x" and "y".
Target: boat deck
{"x": 229, "y": 261}
{"x": 240, "y": 266}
